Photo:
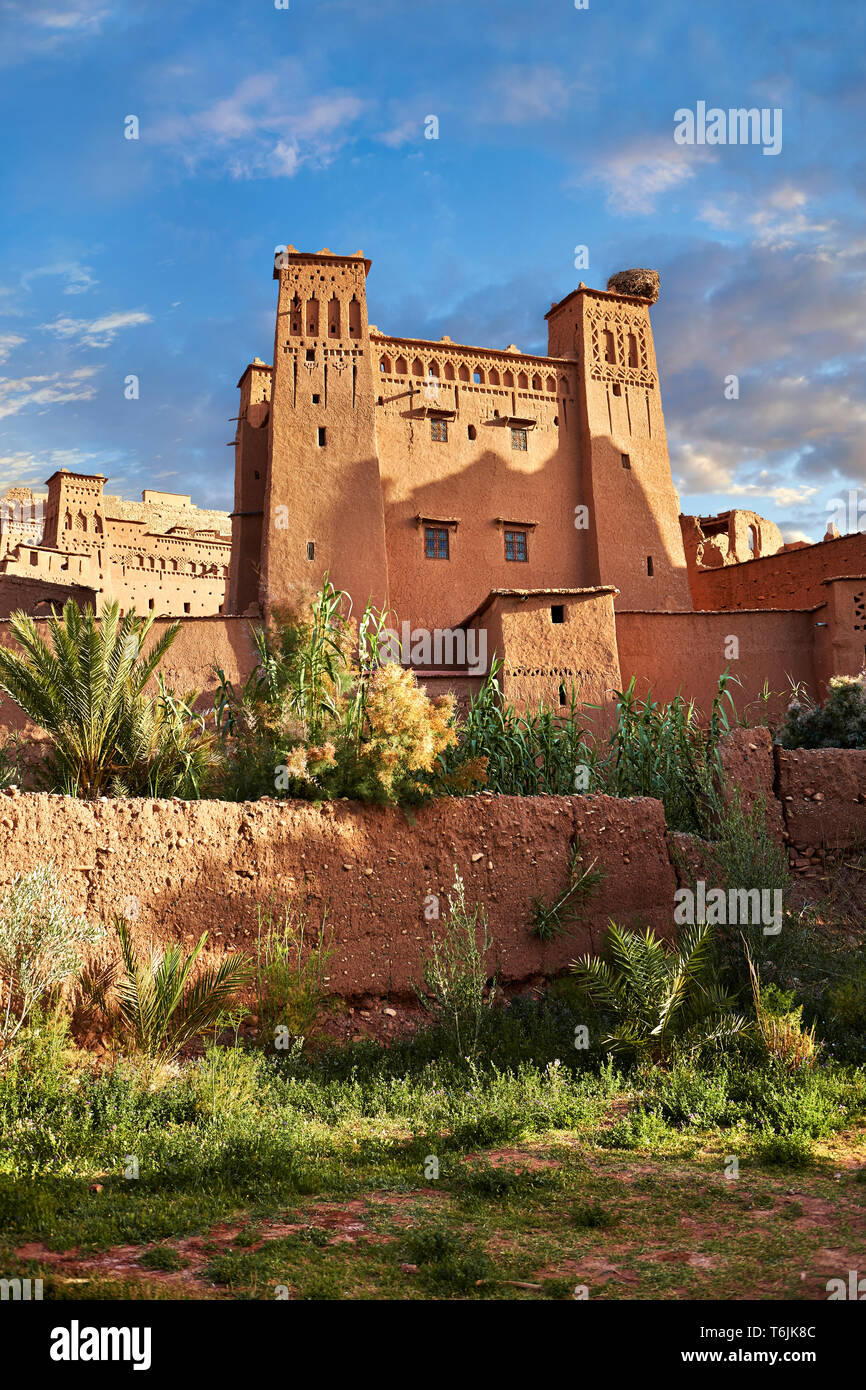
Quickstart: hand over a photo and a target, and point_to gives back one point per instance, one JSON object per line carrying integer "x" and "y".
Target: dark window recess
{"x": 518, "y": 439}
{"x": 186, "y": 608}
{"x": 315, "y": 398}
{"x": 557, "y": 613}
{"x": 649, "y": 566}
{"x": 626, "y": 461}
{"x": 150, "y": 603}
{"x": 311, "y": 550}
{"x": 563, "y": 700}
{"x": 436, "y": 542}
{"x": 617, "y": 389}
{"x": 320, "y": 434}
{"x": 311, "y": 354}
{"x": 471, "y": 431}
{"x": 439, "y": 431}
{"x": 515, "y": 545}
{"x": 256, "y": 474}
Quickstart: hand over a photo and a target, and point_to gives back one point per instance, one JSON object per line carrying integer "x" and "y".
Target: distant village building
{"x": 161, "y": 555}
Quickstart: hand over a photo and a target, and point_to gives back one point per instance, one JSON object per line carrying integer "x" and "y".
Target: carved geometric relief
{"x": 618, "y": 346}
{"x": 860, "y": 611}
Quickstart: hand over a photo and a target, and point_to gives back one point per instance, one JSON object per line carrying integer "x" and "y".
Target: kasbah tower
{"x": 527, "y": 497}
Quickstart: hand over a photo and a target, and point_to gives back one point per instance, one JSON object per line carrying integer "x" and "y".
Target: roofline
{"x": 296, "y": 257}
{"x": 254, "y": 366}
{"x": 599, "y": 294}
{"x": 468, "y": 347}
{"x": 535, "y": 593}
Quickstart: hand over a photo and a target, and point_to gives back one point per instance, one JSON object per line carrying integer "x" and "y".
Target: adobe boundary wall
{"x": 685, "y": 653}
{"x": 194, "y": 866}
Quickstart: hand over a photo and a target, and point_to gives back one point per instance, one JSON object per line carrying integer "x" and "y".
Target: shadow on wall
{"x": 481, "y": 497}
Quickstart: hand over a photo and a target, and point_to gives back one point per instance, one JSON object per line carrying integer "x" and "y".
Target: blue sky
{"x": 260, "y": 127}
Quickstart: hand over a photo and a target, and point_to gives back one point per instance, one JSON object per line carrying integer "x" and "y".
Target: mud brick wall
{"x": 195, "y": 866}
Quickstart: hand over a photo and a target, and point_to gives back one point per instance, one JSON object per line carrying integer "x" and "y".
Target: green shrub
{"x": 840, "y": 722}
{"x": 459, "y": 986}
{"x": 40, "y": 943}
{"x": 847, "y": 1001}
{"x": 291, "y": 965}
{"x": 785, "y": 1151}
{"x": 447, "y": 1262}
{"x": 323, "y": 715}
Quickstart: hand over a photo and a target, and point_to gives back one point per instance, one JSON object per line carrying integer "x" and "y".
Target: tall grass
{"x": 530, "y": 753}
{"x": 665, "y": 751}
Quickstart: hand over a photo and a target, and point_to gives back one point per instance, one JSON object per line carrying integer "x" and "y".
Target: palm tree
{"x": 86, "y": 688}
{"x": 659, "y": 994}
{"x": 160, "y": 1008}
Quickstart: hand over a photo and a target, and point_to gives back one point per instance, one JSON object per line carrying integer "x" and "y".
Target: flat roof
{"x": 599, "y": 294}
{"x": 536, "y": 593}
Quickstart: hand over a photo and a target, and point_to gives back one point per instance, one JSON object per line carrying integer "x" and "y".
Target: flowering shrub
{"x": 323, "y": 717}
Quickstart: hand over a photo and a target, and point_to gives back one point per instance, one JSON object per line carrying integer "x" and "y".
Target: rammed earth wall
{"x": 195, "y": 866}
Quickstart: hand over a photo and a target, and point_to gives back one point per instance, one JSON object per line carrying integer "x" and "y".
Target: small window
{"x": 439, "y": 431}
{"x": 471, "y": 431}
{"x": 150, "y": 603}
{"x": 518, "y": 439}
{"x": 515, "y": 545}
{"x": 311, "y": 550}
{"x": 256, "y": 474}
{"x": 311, "y": 354}
{"x": 436, "y": 542}
{"x": 186, "y": 608}
{"x": 557, "y": 613}
{"x": 563, "y": 698}
{"x": 320, "y": 435}
{"x": 315, "y": 398}
{"x": 626, "y": 461}
{"x": 649, "y": 566}
{"x": 617, "y": 389}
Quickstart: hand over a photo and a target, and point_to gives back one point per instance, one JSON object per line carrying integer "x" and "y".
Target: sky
{"x": 261, "y": 125}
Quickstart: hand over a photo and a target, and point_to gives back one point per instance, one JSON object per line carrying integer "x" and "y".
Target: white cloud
{"x": 78, "y": 277}
{"x": 637, "y": 174}
{"x": 54, "y": 388}
{"x": 34, "y": 26}
{"x": 97, "y": 333}
{"x": 8, "y": 342}
{"x": 522, "y": 94}
{"x": 266, "y": 128}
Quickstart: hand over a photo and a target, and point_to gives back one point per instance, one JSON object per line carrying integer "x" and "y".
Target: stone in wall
{"x": 823, "y": 793}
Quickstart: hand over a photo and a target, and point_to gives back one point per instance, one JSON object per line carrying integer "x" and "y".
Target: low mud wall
{"x": 382, "y": 873}
{"x": 195, "y": 866}
{"x": 822, "y": 792}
